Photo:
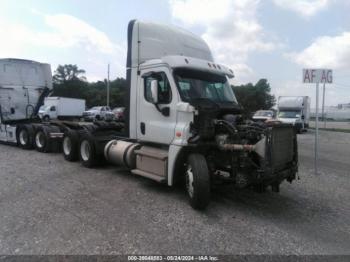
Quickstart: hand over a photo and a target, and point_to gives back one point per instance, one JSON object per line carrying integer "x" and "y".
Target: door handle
{"x": 143, "y": 128}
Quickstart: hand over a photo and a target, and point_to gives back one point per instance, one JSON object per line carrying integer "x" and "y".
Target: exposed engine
{"x": 242, "y": 151}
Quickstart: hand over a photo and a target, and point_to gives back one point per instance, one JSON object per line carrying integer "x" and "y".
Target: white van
{"x": 61, "y": 107}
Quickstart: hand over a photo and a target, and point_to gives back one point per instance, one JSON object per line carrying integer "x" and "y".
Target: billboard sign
{"x": 318, "y": 76}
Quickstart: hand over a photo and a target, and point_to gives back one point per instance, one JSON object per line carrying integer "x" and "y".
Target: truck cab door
{"x": 5, "y": 103}
{"x": 156, "y": 121}
{"x": 53, "y": 112}
{"x": 103, "y": 112}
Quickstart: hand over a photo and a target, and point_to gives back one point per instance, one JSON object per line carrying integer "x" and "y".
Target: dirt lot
{"x": 50, "y": 206}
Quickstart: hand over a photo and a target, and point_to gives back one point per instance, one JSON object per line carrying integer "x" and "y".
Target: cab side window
{"x": 164, "y": 89}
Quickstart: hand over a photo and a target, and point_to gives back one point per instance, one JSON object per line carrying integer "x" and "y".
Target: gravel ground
{"x": 50, "y": 206}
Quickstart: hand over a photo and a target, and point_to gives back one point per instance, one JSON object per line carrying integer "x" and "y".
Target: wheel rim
{"x": 40, "y": 139}
{"x": 189, "y": 181}
{"x": 85, "y": 150}
{"x": 23, "y": 137}
{"x": 67, "y": 145}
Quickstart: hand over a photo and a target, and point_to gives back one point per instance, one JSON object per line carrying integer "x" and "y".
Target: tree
{"x": 68, "y": 73}
{"x": 254, "y": 97}
{"x": 69, "y": 83}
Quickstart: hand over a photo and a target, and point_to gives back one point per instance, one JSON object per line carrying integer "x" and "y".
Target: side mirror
{"x": 303, "y": 117}
{"x": 154, "y": 91}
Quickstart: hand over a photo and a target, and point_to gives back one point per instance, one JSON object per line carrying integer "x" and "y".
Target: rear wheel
{"x": 87, "y": 151}
{"x": 41, "y": 141}
{"x": 46, "y": 118}
{"x": 25, "y": 137}
{"x": 70, "y": 145}
{"x": 197, "y": 181}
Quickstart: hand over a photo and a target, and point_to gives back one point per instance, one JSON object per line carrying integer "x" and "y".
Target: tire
{"x": 197, "y": 181}
{"x": 87, "y": 151}
{"x": 46, "y": 118}
{"x": 70, "y": 145}
{"x": 42, "y": 140}
{"x": 25, "y": 137}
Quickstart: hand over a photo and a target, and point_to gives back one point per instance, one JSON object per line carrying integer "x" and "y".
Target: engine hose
{"x": 237, "y": 147}
{"x": 230, "y": 128}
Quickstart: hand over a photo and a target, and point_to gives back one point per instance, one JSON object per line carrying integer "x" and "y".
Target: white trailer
{"x": 294, "y": 110}
{"x": 62, "y": 108}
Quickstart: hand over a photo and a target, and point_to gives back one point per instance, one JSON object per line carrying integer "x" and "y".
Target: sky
{"x": 272, "y": 39}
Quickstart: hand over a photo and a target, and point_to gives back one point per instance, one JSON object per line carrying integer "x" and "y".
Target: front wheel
{"x": 197, "y": 181}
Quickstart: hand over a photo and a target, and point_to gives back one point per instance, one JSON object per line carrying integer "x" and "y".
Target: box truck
{"x": 294, "y": 110}
{"x": 182, "y": 122}
{"x": 61, "y": 108}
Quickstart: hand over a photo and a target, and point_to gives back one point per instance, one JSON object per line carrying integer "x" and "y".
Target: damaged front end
{"x": 245, "y": 153}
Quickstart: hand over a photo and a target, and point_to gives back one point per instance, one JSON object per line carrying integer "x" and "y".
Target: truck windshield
{"x": 289, "y": 114}
{"x": 43, "y": 108}
{"x": 194, "y": 84}
{"x": 263, "y": 113}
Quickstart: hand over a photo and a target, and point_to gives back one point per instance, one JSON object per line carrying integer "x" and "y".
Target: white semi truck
{"x": 183, "y": 122}
{"x": 24, "y": 86}
{"x": 62, "y": 108}
{"x": 294, "y": 110}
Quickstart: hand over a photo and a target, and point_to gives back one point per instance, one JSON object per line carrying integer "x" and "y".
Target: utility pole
{"x": 108, "y": 86}
{"x": 324, "y": 91}
{"x": 316, "y": 128}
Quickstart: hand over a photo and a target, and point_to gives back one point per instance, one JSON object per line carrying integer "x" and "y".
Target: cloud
{"x": 199, "y": 11}
{"x": 60, "y": 34}
{"x": 64, "y": 31}
{"x": 305, "y": 8}
{"x": 231, "y": 29}
{"x": 326, "y": 51}
{"x": 71, "y": 31}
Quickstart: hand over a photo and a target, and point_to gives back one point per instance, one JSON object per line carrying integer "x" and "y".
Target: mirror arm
{"x": 163, "y": 111}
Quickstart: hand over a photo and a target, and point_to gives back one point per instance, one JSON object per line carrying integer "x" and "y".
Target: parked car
{"x": 98, "y": 113}
{"x": 263, "y": 115}
{"x": 119, "y": 113}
